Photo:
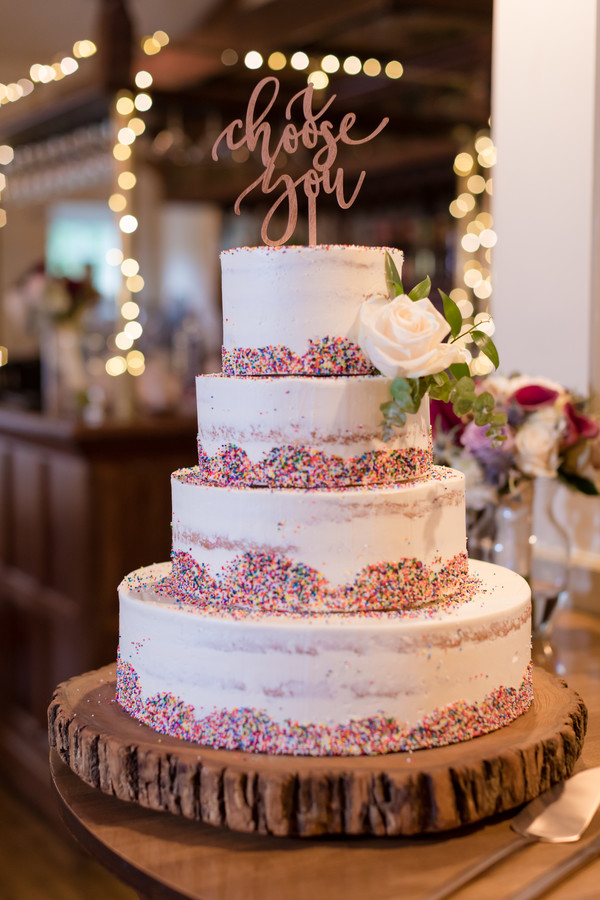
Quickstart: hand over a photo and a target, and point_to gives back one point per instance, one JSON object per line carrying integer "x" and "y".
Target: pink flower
{"x": 533, "y": 396}
{"x": 443, "y": 416}
{"x": 577, "y": 427}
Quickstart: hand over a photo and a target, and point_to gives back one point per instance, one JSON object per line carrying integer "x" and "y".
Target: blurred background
{"x": 112, "y": 216}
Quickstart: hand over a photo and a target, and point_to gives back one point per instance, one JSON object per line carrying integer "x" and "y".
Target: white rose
{"x": 404, "y": 338}
{"x": 536, "y": 443}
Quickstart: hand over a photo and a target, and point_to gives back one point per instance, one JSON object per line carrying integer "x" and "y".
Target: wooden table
{"x": 165, "y": 856}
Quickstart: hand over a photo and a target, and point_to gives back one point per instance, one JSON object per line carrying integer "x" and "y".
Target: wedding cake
{"x": 319, "y": 600}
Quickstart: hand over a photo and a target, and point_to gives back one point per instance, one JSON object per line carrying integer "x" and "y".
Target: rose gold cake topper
{"x": 316, "y": 135}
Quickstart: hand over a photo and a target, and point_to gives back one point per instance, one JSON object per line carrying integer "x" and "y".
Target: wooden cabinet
{"x": 79, "y": 508}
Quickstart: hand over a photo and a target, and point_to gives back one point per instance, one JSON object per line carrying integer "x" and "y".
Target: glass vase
{"x": 535, "y": 546}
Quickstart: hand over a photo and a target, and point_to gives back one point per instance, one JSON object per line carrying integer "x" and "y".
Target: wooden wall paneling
{"x": 28, "y": 487}
{"x": 79, "y": 508}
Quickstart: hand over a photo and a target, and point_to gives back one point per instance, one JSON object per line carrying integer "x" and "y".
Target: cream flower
{"x": 402, "y": 337}
{"x": 536, "y": 443}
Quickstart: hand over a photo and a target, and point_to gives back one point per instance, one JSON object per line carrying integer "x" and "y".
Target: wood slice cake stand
{"x": 398, "y": 794}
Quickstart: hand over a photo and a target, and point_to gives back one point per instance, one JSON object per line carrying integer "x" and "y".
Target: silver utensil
{"x": 539, "y": 886}
{"x": 559, "y": 815}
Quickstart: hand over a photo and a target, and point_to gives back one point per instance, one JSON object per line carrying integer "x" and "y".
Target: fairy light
{"x": 135, "y": 362}
{"x": 114, "y": 256}
{"x": 319, "y": 80}
{"x": 117, "y": 202}
{"x": 143, "y": 79}
{"x": 123, "y": 341}
{"x": 253, "y": 59}
{"x": 135, "y": 283}
{"x": 475, "y": 237}
{"x": 130, "y": 310}
{"x": 299, "y": 61}
{"x": 229, "y": 57}
{"x": 142, "y": 102}
{"x": 124, "y": 105}
{"x": 133, "y": 329}
{"x": 394, "y": 69}
{"x": 126, "y": 180}
{"x": 352, "y": 65}
{"x": 277, "y": 61}
{"x": 116, "y": 365}
{"x": 328, "y": 64}
{"x": 372, "y": 67}
{"x": 128, "y": 127}
{"x": 130, "y": 267}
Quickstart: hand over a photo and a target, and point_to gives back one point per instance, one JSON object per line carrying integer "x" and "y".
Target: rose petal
{"x": 578, "y": 427}
{"x": 532, "y": 396}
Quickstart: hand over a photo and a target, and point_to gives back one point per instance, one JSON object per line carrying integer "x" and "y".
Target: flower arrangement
{"x": 406, "y": 338}
{"x": 547, "y": 433}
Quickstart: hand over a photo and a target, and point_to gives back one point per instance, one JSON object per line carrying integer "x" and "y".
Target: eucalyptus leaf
{"x": 440, "y": 391}
{"x": 392, "y": 276}
{"x": 452, "y": 314}
{"x": 465, "y": 387}
{"x": 484, "y": 403}
{"x": 400, "y": 388}
{"x": 459, "y": 370}
{"x": 421, "y": 290}
{"x": 462, "y": 406}
{"x": 487, "y": 346}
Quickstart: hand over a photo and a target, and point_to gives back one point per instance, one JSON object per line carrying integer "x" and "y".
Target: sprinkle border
{"x": 299, "y": 466}
{"x": 272, "y": 582}
{"x": 253, "y": 731}
{"x": 326, "y": 356}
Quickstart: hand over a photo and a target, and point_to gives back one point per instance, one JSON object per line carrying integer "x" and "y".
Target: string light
{"x": 128, "y": 127}
{"x": 372, "y": 67}
{"x": 253, "y": 59}
{"x": 276, "y": 61}
{"x": 319, "y": 80}
{"x": 476, "y": 237}
{"x": 352, "y": 65}
{"x": 328, "y": 64}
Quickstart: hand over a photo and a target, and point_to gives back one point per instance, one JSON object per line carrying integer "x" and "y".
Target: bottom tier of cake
{"x": 337, "y": 684}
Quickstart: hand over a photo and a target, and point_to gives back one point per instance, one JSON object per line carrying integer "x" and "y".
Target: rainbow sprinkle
{"x": 271, "y": 582}
{"x": 253, "y": 731}
{"x": 327, "y": 356}
{"x": 304, "y": 467}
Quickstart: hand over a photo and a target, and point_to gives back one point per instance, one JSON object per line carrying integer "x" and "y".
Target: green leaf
{"x": 465, "y": 387}
{"x": 421, "y": 290}
{"x": 487, "y": 346}
{"x": 400, "y": 388}
{"x": 440, "y": 391}
{"x": 459, "y": 370}
{"x": 452, "y": 314}
{"x": 461, "y": 405}
{"x": 483, "y": 405}
{"x": 585, "y": 485}
{"x": 392, "y": 276}
{"x": 496, "y": 436}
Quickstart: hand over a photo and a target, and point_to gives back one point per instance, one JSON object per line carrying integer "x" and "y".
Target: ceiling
{"x": 442, "y": 97}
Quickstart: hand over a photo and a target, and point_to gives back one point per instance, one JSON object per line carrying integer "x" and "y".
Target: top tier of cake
{"x": 295, "y": 310}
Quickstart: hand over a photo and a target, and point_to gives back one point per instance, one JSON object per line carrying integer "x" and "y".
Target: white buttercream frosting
{"x": 337, "y": 533}
{"x": 288, "y": 296}
{"x": 333, "y": 668}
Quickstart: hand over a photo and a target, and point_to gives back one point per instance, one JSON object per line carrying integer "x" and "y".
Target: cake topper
{"x": 316, "y": 135}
